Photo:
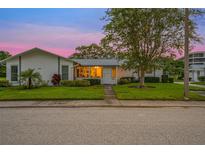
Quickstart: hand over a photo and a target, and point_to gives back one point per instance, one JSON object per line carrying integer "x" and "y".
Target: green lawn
{"x": 199, "y": 83}
{"x": 2, "y": 78}
{"x": 162, "y": 91}
{"x": 52, "y": 93}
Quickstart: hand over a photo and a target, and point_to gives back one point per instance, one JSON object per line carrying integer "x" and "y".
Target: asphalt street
{"x": 102, "y": 125}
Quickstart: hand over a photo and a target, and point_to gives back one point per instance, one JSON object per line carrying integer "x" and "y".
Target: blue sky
{"x": 57, "y": 30}
{"x": 60, "y": 30}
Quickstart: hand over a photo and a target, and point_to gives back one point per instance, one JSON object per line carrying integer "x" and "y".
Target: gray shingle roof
{"x": 97, "y": 62}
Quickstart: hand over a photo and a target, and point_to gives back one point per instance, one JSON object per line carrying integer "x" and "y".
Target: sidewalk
{"x": 194, "y": 85}
{"x": 98, "y": 103}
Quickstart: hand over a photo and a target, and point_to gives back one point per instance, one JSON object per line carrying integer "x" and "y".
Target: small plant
{"x": 4, "y": 83}
{"x": 123, "y": 81}
{"x": 152, "y": 79}
{"x": 30, "y": 78}
{"x": 56, "y": 79}
{"x": 130, "y": 79}
{"x": 94, "y": 81}
{"x": 44, "y": 83}
{"x": 171, "y": 80}
{"x": 201, "y": 78}
{"x": 75, "y": 83}
{"x": 165, "y": 79}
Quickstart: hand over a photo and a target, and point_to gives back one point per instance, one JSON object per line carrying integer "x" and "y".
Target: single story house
{"x": 47, "y": 64}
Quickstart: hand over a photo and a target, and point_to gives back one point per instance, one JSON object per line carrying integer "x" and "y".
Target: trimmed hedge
{"x": 171, "y": 80}
{"x": 165, "y": 78}
{"x": 130, "y": 79}
{"x": 4, "y": 83}
{"x": 75, "y": 83}
{"x": 94, "y": 81}
{"x": 123, "y": 81}
{"x": 201, "y": 78}
{"x": 152, "y": 79}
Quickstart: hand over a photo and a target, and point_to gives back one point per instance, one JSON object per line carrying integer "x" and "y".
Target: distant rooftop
{"x": 97, "y": 62}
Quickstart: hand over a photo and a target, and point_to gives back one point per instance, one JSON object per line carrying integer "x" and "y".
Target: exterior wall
{"x": 44, "y": 63}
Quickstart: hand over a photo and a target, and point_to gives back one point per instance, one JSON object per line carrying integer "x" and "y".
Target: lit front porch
{"x": 107, "y": 74}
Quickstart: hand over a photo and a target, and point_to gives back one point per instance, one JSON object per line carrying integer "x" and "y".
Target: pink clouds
{"x": 60, "y": 40}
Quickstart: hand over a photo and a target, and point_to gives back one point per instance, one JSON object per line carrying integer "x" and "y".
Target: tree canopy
{"x": 94, "y": 51}
{"x": 145, "y": 35}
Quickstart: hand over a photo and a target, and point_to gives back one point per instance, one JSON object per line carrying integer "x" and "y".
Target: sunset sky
{"x": 56, "y": 30}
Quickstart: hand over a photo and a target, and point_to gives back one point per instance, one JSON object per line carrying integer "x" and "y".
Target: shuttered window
{"x": 64, "y": 72}
{"x": 14, "y": 73}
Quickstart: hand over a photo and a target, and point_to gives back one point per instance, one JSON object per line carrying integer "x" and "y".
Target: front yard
{"x": 162, "y": 91}
{"x": 52, "y": 93}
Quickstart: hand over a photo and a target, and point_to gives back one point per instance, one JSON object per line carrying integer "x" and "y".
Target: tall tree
{"x": 146, "y": 35}
{"x": 3, "y": 55}
{"x": 94, "y": 51}
{"x": 186, "y": 54}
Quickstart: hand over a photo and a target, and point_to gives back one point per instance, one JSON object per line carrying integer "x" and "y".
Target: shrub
{"x": 165, "y": 79}
{"x": 94, "y": 81}
{"x": 152, "y": 79}
{"x": 44, "y": 83}
{"x": 201, "y": 78}
{"x": 171, "y": 80}
{"x": 75, "y": 83}
{"x": 4, "y": 83}
{"x": 56, "y": 79}
{"x": 82, "y": 83}
{"x": 130, "y": 79}
{"x": 123, "y": 81}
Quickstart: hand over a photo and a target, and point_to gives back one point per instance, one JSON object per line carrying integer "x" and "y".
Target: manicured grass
{"x": 2, "y": 78}
{"x": 162, "y": 91}
{"x": 198, "y": 83}
{"x": 52, "y": 93}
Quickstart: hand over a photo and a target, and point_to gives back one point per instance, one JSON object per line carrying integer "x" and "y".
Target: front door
{"x": 107, "y": 76}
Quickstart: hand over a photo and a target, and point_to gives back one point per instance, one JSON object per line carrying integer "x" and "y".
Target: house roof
{"x": 97, "y": 62}
{"x": 30, "y": 51}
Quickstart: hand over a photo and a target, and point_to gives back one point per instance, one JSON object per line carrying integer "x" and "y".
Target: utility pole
{"x": 186, "y": 54}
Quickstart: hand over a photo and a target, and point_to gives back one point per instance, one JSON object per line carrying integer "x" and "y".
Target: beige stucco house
{"x": 47, "y": 64}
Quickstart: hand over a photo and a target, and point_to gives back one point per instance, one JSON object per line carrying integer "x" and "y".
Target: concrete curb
{"x": 103, "y": 106}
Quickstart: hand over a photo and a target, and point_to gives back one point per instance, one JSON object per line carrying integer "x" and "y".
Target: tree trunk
{"x": 142, "y": 73}
{"x": 186, "y": 55}
{"x": 29, "y": 83}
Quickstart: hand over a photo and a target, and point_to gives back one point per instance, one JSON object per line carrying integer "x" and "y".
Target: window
{"x": 82, "y": 72}
{"x": 64, "y": 72}
{"x": 113, "y": 72}
{"x": 198, "y": 55}
{"x": 14, "y": 73}
{"x": 96, "y": 72}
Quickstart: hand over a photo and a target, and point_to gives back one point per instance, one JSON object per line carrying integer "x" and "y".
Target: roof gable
{"x": 30, "y": 51}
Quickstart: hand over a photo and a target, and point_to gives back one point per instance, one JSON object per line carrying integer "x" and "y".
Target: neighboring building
{"x": 47, "y": 64}
{"x": 196, "y": 65}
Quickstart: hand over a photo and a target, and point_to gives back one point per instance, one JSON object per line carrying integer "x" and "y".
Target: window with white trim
{"x": 14, "y": 73}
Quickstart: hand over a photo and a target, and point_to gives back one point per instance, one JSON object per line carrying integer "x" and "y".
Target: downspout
{"x": 58, "y": 65}
{"x": 20, "y": 70}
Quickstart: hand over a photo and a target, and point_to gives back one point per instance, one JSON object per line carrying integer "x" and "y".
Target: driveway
{"x": 102, "y": 126}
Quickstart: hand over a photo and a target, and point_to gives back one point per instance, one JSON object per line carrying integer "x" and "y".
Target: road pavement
{"x": 102, "y": 125}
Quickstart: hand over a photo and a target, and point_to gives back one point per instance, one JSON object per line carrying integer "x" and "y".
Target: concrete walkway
{"x": 99, "y": 103}
{"x": 110, "y": 97}
{"x": 194, "y": 85}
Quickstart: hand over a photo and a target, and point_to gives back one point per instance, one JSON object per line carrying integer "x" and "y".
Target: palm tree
{"x": 30, "y": 77}
{"x": 186, "y": 54}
